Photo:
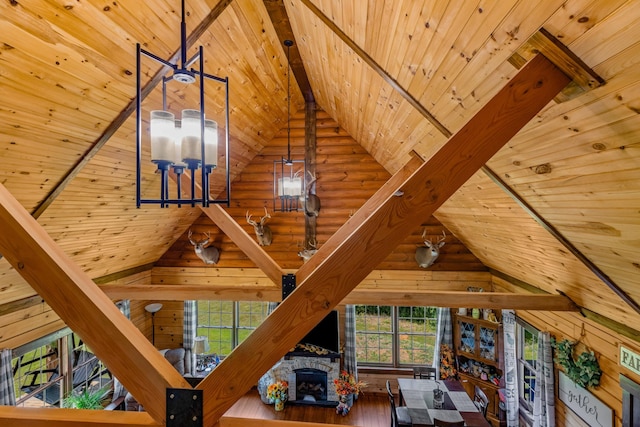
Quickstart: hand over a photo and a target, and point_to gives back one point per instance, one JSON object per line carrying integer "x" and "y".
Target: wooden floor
{"x": 370, "y": 410}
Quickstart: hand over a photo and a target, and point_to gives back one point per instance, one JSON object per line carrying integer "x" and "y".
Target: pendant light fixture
{"x": 188, "y": 143}
{"x": 288, "y": 174}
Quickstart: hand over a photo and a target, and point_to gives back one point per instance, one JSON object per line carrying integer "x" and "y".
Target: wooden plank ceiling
{"x": 67, "y": 72}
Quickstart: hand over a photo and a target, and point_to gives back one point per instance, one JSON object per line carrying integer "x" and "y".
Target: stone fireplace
{"x": 310, "y": 377}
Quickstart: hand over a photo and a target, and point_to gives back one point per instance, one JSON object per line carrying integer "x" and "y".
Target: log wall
{"x": 347, "y": 176}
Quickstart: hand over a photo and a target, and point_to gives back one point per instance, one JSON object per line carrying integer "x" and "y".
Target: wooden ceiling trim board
{"x": 85, "y": 308}
{"x": 122, "y": 273}
{"x": 563, "y": 240}
{"x": 280, "y": 20}
{"x": 377, "y": 68}
{"x": 337, "y": 268}
{"x": 20, "y": 304}
{"x": 126, "y": 112}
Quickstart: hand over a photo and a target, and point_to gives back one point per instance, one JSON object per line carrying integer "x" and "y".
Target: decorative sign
{"x": 630, "y": 360}
{"x": 583, "y": 403}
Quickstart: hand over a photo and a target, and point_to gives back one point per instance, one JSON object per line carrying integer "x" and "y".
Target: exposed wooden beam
{"x": 280, "y": 20}
{"x": 245, "y": 242}
{"x": 11, "y": 416}
{"x": 336, "y": 269}
{"x": 127, "y": 111}
{"x": 310, "y": 148}
{"x": 85, "y": 308}
{"x": 230, "y": 292}
{"x": 495, "y": 300}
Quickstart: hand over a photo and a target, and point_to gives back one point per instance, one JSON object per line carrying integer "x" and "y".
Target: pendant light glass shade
{"x": 162, "y": 130}
{"x": 210, "y": 143}
{"x": 191, "y": 131}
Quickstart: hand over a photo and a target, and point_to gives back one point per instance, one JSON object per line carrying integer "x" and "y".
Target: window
{"x": 527, "y": 351}
{"x": 395, "y": 336}
{"x": 227, "y": 323}
{"x": 49, "y": 369}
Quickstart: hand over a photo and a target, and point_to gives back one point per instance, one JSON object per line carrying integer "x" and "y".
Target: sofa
{"x": 177, "y": 358}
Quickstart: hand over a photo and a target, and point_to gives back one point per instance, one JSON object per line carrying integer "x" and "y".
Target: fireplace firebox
{"x": 311, "y": 385}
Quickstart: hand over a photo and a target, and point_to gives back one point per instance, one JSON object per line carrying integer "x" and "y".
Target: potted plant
{"x": 347, "y": 387}
{"x": 86, "y": 399}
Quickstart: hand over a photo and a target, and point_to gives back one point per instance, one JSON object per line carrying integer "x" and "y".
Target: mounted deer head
{"x": 209, "y": 255}
{"x": 307, "y": 253}
{"x": 263, "y": 232}
{"x": 427, "y": 255}
{"x": 312, "y": 201}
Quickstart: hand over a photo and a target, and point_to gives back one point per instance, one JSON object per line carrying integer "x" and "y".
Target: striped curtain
{"x": 544, "y": 399}
{"x": 444, "y": 336}
{"x": 118, "y": 388}
{"x": 510, "y": 366}
{"x": 7, "y": 392}
{"x": 350, "y": 357}
{"x": 189, "y": 329}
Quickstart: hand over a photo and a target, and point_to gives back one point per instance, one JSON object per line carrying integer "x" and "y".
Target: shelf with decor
{"x": 478, "y": 350}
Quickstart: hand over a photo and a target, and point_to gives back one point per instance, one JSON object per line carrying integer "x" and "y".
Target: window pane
{"x": 374, "y": 334}
{"x": 36, "y": 370}
{"x": 250, "y": 315}
{"x": 228, "y": 323}
{"x": 527, "y": 361}
{"x": 417, "y": 335}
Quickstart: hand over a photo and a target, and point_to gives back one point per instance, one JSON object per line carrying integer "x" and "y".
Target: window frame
{"x": 524, "y": 329}
{"x": 397, "y": 344}
{"x": 236, "y": 326}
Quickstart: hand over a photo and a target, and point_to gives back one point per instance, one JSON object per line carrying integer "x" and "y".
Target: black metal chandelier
{"x": 188, "y": 143}
{"x": 288, "y": 183}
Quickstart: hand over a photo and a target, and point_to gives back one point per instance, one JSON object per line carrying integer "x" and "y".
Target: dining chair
{"x": 424, "y": 372}
{"x": 399, "y": 414}
{"x": 443, "y": 423}
{"x": 481, "y": 400}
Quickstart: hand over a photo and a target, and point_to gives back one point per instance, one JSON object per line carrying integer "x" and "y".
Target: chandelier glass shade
{"x": 185, "y": 143}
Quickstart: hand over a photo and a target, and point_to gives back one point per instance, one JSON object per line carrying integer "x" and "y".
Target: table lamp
{"x": 200, "y": 347}
{"x": 153, "y": 309}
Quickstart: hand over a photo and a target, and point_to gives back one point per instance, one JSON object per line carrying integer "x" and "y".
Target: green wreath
{"x": 584, "y": 371}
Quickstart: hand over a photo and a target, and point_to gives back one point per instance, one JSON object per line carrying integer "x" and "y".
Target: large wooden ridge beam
{"x": 376, "y": 229}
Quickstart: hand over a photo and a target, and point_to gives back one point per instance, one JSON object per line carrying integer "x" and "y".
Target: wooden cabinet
{"x": 478, "y": 350}
{"x": 478, "y": 339}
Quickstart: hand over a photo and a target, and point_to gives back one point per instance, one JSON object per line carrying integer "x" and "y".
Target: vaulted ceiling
{"x": 399, "y": 77}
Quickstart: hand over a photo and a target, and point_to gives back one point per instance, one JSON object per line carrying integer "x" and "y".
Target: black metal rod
{"x": 226, "y": 157}
{"x": 138, "y": 128}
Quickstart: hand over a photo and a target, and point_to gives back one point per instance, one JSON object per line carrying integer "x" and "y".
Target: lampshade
{"x": 161, "y": 131}
{"x": 191, "y": 136}
{"x": 201, "y": 345}
{"x": 153, "y": 308}
{"x": 210, "y": 143}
